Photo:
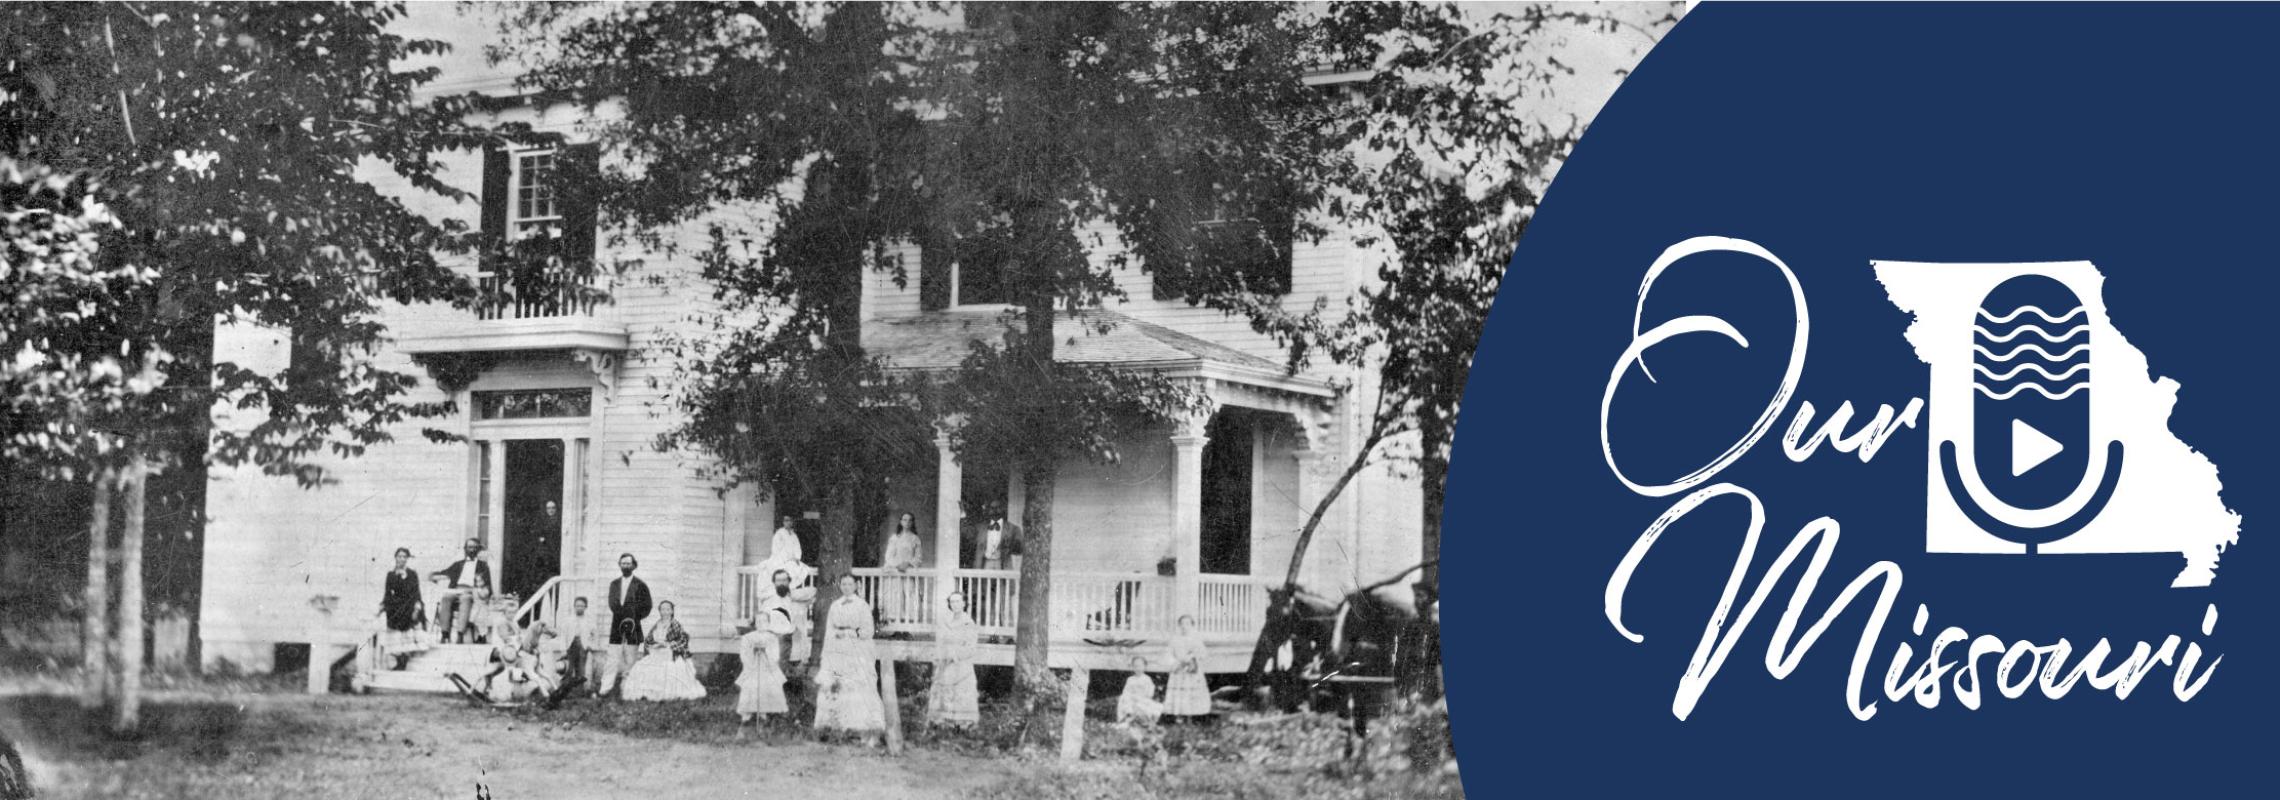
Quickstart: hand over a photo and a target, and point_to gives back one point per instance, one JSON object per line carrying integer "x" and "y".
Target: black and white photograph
{"x": 661, "y": 400}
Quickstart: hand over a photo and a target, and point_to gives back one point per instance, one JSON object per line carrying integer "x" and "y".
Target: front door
{"x": 534, "y": 508}
{"x": 1227, "y": 478}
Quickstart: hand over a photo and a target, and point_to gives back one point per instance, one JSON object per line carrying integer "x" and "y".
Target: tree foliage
{"x": 213, "y": 155}
{"x": 231, "y": 135}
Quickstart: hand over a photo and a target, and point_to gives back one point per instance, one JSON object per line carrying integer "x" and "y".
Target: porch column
{"x": 1187, "y": 511}
{"x": 949, "y": 486}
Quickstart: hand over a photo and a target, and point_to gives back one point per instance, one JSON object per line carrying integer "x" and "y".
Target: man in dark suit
{"x": 468, "y": 581}
{"x": 629, "y": 605}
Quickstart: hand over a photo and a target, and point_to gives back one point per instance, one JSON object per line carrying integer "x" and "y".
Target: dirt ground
{"x": 245, "y": 746}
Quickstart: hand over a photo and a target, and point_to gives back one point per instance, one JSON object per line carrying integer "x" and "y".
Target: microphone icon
{"x": 2030, "y": 413}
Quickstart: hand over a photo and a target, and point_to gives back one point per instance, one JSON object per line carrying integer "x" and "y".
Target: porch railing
{"x": 1085, "y": 604}
{"x": 553, "y": 599}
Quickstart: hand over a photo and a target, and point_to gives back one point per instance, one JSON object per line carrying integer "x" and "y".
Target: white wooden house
{"x": 558, "y": 474}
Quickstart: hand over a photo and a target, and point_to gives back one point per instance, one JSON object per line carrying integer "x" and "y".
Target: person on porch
{"x": 955, "y": 697}
{"x": 847, "y": 682}
{"x": 400, "y": 605}
{"x": 904, "y": 553}
{"x": 666, "y": 671}
{"x": 992, "y": 554}
{"x": 629, "y": 608}
{"x": 784, "y": 552}
{"x": 467, "y": 584}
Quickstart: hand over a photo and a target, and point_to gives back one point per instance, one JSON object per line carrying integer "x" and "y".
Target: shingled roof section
{"x": 939, "y": 340}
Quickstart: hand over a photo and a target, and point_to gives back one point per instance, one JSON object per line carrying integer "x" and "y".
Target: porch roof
{"x": 939, "y": 340}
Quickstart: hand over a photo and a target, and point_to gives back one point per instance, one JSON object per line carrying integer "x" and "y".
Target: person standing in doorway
{"x": 629, "y": 607}
{"x": 467, "y": 583}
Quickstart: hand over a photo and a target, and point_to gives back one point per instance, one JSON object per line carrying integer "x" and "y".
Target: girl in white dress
{"x": 760, "y": 688}
{"x": 955, "y": 698}
{"x": 1185, "y": 695}
{"x": 1138, "y": 705}
{"x": 665, "y": 671}
{"x": 847, "y": 681}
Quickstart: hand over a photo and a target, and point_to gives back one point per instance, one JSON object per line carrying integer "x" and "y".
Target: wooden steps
{"x": 426, "y": 672}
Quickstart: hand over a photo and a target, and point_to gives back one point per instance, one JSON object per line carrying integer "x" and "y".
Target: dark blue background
{"x": 2139, "y": 138}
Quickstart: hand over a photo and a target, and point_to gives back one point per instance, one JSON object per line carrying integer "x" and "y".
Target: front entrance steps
{"x": 428, "y": 671}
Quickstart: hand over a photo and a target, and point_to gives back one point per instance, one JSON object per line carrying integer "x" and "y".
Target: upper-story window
{"x": 1250, "y": 247}
{"x": 532, "y": 186}
{"x": 539, "y": 203}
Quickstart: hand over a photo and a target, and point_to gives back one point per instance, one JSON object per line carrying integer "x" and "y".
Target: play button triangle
{"x": 2030, "y": 448}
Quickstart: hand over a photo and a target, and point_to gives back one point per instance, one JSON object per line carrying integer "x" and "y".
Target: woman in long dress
{"x": 847, "y": 681}
{"x": 760, "y": 687}
{"x": 665, "y": 671}
{"x": 903, "y": 554}
{"x": 400, "y": 605}
{"x": 955, "y": 698}
{"x": 1185, "y": 695}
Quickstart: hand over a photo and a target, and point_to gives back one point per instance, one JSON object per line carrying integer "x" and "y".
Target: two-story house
{"x": 561, "y": 397}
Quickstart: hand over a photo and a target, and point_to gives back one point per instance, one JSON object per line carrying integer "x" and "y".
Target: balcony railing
{"x": 1085, "y": 605}
{"x": 534, "y": 299}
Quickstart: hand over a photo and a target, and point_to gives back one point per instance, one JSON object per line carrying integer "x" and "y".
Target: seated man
{"x": 466, "y": 585}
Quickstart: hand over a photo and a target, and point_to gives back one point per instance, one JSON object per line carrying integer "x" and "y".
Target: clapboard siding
{"x": 1322, "y": 269}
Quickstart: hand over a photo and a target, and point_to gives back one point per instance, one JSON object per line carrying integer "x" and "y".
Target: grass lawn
{"x": 246, "y": 740}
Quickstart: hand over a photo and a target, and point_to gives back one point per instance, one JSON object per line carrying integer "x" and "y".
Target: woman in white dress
{"x": 899, "y": 595}
{"x": 955, "y": 698}
{"x": 847, "y": 681}
{"x": 665, "y": 671}
{"x": 1185, "y": 695}
{"x": 760, "y": 688}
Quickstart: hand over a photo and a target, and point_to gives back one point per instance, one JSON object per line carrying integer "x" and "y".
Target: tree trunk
{"x": 126, "y": 714}
{"x": 836, "y": 557}
{"x": 96, "y": 622}
{"x": 1032, "y": 632}
{"x": 1435, "y": 468}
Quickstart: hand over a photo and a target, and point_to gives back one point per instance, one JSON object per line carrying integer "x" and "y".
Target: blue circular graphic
{"x": 1882, "y": 153}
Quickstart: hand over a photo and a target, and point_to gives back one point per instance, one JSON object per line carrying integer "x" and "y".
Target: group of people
{"x": 624, "y": 653}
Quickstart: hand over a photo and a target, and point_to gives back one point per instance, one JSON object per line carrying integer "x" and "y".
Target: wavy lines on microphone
{"x": 2035, "y": 310}
{"x": 2037, "y": 388}
{"x": 1982, "y": 334}
{"x": 2047, "y": 376}
{"x": 2038, "y": 350}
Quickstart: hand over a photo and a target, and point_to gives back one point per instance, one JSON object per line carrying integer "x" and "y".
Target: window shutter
{"x": 494, "y": 225}
{"x": 578, "y": 180}
{"x": 935, "y": 257}
{"x": 1270, "y": 271}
